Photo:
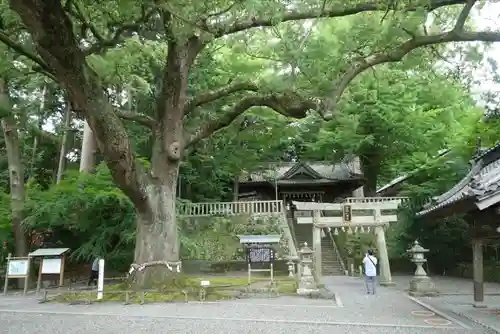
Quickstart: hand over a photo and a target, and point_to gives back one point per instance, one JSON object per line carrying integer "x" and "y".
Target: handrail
{"x": 293, "y": 251}
{"x": 374, "y": 199}
{"x": 229, "y": 208}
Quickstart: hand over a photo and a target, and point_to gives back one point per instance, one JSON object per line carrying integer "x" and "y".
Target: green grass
{"x": 184, "y": 288}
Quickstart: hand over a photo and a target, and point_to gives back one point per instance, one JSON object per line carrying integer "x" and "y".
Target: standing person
{"x": 94, "y": 274}
{"x": 370, "y": 264}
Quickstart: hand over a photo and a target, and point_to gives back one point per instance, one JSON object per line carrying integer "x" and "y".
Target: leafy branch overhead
{"x": 226, "y": 21}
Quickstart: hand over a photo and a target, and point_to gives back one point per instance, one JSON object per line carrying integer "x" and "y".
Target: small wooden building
{"x": 477, "y": 196}
{"x": 300, "y": 181}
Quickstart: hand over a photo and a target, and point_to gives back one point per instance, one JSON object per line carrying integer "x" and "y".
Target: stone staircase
{"x": 331, "y": 262}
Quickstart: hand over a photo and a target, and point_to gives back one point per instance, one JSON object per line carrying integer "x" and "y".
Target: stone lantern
{"x": 420, "y": 284}
{"x": 307, "y": 284}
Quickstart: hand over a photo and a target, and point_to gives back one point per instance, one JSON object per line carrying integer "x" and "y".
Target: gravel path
{"x": 389, "y": 311}
{"x": 79, "y": 324}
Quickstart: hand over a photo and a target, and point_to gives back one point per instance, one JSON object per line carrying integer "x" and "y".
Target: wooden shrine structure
{"x": 477, "y": 197}
{"x": 360, "y": 214}
{"x": 300, "y": 181}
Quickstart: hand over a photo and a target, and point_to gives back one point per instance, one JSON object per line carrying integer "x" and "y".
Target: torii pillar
{"x": 385, "y": 266}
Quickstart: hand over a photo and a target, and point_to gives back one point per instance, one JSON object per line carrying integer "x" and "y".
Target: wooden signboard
{"x": 347, "y": 213}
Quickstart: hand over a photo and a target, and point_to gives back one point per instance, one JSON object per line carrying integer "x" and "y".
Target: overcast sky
{"x": 488, "y": 18}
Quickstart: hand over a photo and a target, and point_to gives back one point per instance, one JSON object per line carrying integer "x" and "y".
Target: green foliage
{"x": 215, "y": 238}
{"x": 87, "y": 213}
{"x": 356, "y": 245}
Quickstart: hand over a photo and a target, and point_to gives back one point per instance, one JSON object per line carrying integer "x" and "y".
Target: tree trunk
{"x": 16, "y": 174}
{"x": 89, "y": 146}
{"x": 157, "y": 230}
{"x": 64, "y": 144}
{"x": 370, "y": 165}
{"x": 34, "y": 151}
{"x": 157, "y": 237}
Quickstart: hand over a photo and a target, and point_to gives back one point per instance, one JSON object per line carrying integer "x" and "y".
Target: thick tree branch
{"x": 18, "y": 48}
{"x": 234, "y": 26}
{"x": 120, "y": 29}
{"x": 459, "y": 25}
{"x": 52, "y": 32}
{"x": 289, "y": 105}
{"x": 35, "y": 130}
{"x": 141, "y": 119}
{"x": 397, "y": 53}
{"x": 216, "y": 94}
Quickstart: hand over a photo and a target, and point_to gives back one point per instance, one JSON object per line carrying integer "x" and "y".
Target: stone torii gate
{"x": 356, "y": 214}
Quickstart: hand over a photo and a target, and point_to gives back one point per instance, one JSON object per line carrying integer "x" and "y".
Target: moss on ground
{"x": 181, "y": 288}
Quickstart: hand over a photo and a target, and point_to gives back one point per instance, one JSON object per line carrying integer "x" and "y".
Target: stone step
{"x": 339, "y": 269}
{"x": 329, "y": 255}
{"x": 336, "y": 271}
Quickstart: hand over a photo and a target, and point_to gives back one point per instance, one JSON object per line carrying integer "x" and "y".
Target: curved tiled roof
{"x": 482, "y": 180}
{"x": 316, "y": 170}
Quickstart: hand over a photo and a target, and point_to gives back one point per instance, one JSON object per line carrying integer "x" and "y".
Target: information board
{"x": 260, "y": 255}
{"x": 51, "y": 266}
{"x": 18, "y": 268}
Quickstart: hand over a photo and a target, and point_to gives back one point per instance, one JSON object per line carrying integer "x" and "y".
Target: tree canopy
{"x": 183, "y": 96}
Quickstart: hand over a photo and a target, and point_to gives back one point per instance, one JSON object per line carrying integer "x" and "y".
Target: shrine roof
{"x": 481, "y": 184}
{"x": 314, "y": 171}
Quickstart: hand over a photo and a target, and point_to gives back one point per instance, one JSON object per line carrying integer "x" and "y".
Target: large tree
{"x": 65, "y": 35}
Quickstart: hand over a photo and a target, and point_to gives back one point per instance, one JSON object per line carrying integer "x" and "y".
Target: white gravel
{"x": 390, "y": 311}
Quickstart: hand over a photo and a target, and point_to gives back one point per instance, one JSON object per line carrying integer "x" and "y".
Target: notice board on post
{"x": 17, "y": 268}
{"x": 52, "y": 262}
{"x": 51, "y": 266}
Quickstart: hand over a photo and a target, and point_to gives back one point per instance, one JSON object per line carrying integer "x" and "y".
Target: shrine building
{"x": 305, "y": 182}
{"x": 477, "y": 197}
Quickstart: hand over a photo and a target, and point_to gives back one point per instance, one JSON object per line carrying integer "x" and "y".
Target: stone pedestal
{"x": 422, "y": 286}
{"x": 307, "y": 284}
